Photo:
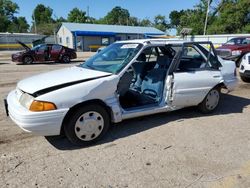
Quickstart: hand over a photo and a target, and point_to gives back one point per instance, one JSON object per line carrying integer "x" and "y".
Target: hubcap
{"x": 212, "y": 99}
{"x": 89, "y": 126}
{"x": 66, "y": 59}
{"x": 28, "y": 60}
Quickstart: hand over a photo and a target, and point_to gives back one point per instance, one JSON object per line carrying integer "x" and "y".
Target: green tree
{"x": 175, "y": 18}
{"x": 232, "y": 17}
{"x": 43, "y": 22}
{"x": 42, "y": 14}
{"x": 133, "y": 21}
{"x": 146, "y": 23}
{"x": 7, "y": 11}
{"x": 160, "y": 23}
{"x": 18, "y": 25}
{"x": 76, "y": 15}
{"x": 117, "y": 16}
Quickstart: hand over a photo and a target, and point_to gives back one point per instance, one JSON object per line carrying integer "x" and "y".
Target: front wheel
{"x": 87, "y": 125}
{"x": 27, "y": 60}
{"x": 245, "y": 79}
{"x": 211, "y": 101}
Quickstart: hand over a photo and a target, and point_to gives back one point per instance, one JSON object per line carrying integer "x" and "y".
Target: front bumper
{"x": 46, "y": 123}
{"x": 16, "y": 58}
{"x": 232, "y": 58}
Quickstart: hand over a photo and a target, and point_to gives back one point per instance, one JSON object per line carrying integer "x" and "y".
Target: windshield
{"x": 36, "y": 47}
{"x": 113, "y": 58}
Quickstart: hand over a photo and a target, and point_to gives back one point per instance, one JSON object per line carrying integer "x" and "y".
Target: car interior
{"x": 142, "y": 84}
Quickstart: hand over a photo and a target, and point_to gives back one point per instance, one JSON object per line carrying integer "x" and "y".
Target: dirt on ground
{"x": 179, "y": 149}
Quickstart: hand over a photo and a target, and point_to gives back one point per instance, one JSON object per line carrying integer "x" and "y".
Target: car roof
{"x": 158, "y": 41}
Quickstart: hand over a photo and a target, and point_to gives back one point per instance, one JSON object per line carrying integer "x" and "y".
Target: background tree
{"x": 146, "y": 23}
{"x": 8, "y": 21}
{"x": 175, "y": 18}
{"x": 133, "y": 21}
{"x": 160, "y": 23}
{"x": 76, "y": 15}
{"x": 42, "y": 14}
{"x": 18, "y": 25}
{"x": 117, "y": 16}
{"x": 231, "y": 17}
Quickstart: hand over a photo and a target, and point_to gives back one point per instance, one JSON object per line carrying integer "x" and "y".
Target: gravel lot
{"x": 177, "y": 149}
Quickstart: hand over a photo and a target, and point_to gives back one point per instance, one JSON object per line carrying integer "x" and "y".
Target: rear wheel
{"x": 87, "y": 125}
{"x": 27, "y": 60}
{"x": 65, "y": 59}
{"x": 211, "y": 101}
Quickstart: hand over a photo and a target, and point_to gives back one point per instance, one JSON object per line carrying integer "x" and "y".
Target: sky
{"x": 99, "y": 8}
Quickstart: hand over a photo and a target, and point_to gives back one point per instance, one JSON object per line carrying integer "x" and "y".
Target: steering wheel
{"x": 150, "y": 92}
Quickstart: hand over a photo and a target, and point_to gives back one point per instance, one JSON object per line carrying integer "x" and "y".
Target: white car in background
{"x": 244, "y": 69}
{"x": 127, "y": 79}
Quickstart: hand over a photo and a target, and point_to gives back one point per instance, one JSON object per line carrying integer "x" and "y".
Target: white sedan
{"x": 125, "y": 80}
{"x": 244, "y": 69}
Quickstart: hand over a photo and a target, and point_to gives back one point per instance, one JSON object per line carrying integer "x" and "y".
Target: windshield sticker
{"x": 129, "y": 46}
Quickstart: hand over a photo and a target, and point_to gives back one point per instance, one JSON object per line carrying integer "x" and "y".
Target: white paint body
{"x": 189, "y": 89}
{"x": 245, "y": 66}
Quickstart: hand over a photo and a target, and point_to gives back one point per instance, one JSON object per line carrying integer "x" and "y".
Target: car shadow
{"x": 3, "y": 63}
{"x": 229, "y": 104}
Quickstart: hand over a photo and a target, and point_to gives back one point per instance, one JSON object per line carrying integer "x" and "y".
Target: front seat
{"x": 163, "y": 62}
{"x": 152, "y": 84}
{"x": 139, "y": 68}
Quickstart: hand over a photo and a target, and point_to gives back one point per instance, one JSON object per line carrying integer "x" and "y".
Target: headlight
{"x": 236, "y": 52}
{"x": 28, "y": 102}
{"x": 38, "y": 106}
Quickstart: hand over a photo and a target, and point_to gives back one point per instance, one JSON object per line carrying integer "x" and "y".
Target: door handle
{"x": 216, "y": 76}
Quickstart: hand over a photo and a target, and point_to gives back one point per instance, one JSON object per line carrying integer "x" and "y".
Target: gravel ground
{"x": 177, "y": 149}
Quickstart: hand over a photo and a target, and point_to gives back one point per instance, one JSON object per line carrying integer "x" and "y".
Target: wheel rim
{"x": 89, "y": 126}
{"x": 28, "y": 60}
{"x": 66, "y": 59}
{"x": 212, "y": 99}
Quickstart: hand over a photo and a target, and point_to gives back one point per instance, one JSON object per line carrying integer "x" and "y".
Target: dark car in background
{"x": 43, "y": 53}
{"x": 234, "y": 49}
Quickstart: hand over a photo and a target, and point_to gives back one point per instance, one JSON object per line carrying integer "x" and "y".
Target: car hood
{"x": 228, "y": 47}
{"x": 23, "y": 45}
{"x": 50, "y": 81}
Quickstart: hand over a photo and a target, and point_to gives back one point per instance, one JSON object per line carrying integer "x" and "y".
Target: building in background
{"x": 89, "y": 37}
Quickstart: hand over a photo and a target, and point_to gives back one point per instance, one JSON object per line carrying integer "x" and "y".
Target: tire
{"x": 245, "y": 79}
{"x": 238, "y": 61}
{"x": 210, "y": 102}
{"x": 27, "y": 60}
{"x": 87, "y": 125}
{"x": 65, "y": 59}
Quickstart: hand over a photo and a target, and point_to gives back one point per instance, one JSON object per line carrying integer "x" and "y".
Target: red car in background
{"x": 44, "y": 52}
{"x": 234, "y": 49}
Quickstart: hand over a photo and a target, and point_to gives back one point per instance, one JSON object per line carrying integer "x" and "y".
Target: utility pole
{"x": 208, "y": 8}
{"x": 35, "y": 22}
{"x": 88, "y": 11}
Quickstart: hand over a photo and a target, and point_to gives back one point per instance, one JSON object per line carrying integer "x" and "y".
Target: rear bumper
{"x": 40, "y": 123}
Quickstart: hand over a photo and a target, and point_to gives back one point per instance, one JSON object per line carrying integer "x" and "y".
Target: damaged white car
{"x": 125, "y": 80}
